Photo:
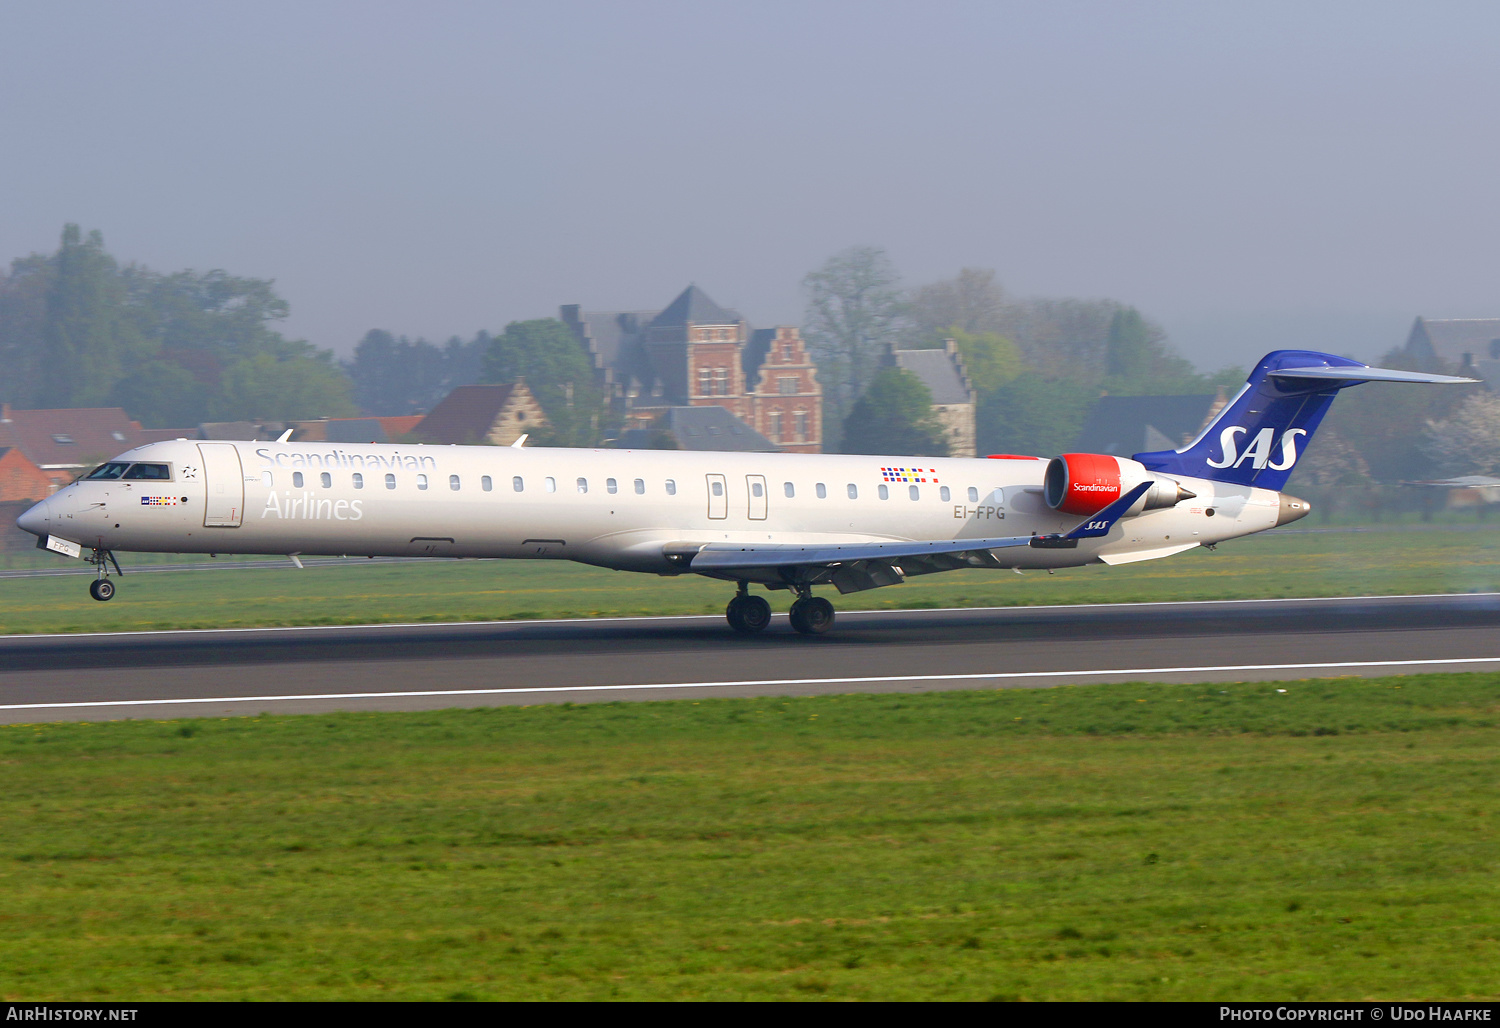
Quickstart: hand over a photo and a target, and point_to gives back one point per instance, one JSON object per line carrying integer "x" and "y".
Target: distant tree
{"x": 163, "y": 394}
{"x": 895, "y": 416}
{"x": 295, "y": 385}
{"x": 1033, "y": 415}
{"x": 1468, "y": 441}
{"x": 1331, "y": 474}
{"x": 557, "y": 370}
{"x": 853, "y": 306}
{"x": 23, "y": 321}
{"x": 399, "y": 376}
{"x": 971, "y": 301}
{"x": 1061, "y": 338}
{"x": 88, "y": 337}
{"x": 990, "y": 359}
{"x": 1139, "y": 362}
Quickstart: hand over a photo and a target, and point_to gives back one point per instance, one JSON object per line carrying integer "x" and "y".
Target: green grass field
{"x": 1405, "y": 560}
{"x": 1335, "y": 840}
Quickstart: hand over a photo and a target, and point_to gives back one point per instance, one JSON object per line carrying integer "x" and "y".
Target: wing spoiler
{"x": 730, "y": 557}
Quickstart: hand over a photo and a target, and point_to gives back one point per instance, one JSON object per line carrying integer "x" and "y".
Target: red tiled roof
{"x": 75, "y": 436}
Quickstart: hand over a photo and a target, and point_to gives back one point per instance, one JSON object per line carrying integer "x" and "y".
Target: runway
{"x": 411, "y": 667}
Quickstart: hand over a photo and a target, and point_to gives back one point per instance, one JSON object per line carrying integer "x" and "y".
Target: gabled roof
{"x": 467, "y": 414}
{"x": 69, "y": 437}
{"x": 1451, "y": 338}
{"x": 702, "y": 428}
{"x": 1123, "y": 425}
{"x": 940, "y": 372}
{"x": 693, "y": 306}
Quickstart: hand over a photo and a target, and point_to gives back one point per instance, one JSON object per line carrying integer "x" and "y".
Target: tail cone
{"x": 1291, "y": 509}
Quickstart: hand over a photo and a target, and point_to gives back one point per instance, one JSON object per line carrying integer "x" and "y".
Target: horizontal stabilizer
{"x": 1363, "y": 374}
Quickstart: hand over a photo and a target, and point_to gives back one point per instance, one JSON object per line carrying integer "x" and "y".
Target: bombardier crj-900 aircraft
{"x": 784, "y": 521}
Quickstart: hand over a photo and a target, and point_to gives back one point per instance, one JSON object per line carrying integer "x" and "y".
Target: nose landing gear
{"x": 102, "y": 588}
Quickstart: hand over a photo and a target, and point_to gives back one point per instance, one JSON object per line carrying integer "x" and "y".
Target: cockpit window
{"x": 114, "y": 469}
{"x": 152, "y": 472}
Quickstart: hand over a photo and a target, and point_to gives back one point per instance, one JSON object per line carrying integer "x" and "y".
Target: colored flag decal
{"x": 908, "y": 475}
{"x": 158, "y": 501}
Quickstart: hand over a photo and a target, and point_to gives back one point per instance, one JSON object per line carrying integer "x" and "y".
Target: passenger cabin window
{"x": 789, "y": 489}
{"x": 518, "y": 484}
{"x": 640, "y": 487}
{"x": 148, "y": 473}
{"x": 718, "y": 488}
{"x": 390, "y": 481}
{"x": 114, "y": 469}
{"x": 266, "y": 479}
{"x": 550, "y": 484}
{"x": 326, "y": 480}
{"x": 945, "y": 494}
{"x": 421, "y": 481}
{"x": 912, "y": 491}
{"x": 853, "y": 491}
{"x": 359, "y": 480}
{"x": 973, "y": 495}
{"x": 453, "y": 482}
{"x": 297, "y": 479}
{"x": 822, "y": 491}
{"x": 611, "y": 486}
{"x": 486, "y": 483}
{"x": 885, "y": 494}
{"x": 583, "y": 485}
{"x": 755, "y": 489}
{"x": 671, "y": 488}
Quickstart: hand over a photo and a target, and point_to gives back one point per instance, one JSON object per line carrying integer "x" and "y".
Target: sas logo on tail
{"x": 1260, "y": 449}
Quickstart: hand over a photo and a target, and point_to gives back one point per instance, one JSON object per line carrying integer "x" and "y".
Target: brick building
{"x": 695, "y": 353}
{"x": 495, "y": 414}
{"x": 20, "y": 479}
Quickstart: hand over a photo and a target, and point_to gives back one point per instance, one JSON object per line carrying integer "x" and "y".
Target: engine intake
{"x": 1086, "y": 483}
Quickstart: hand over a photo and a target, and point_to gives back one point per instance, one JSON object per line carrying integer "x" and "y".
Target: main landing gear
{"x": 102, "y": 588}
{"x": 810, "y": 615}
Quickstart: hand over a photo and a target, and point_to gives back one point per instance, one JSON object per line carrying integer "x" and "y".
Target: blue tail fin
{"x": 1259, "y": 435}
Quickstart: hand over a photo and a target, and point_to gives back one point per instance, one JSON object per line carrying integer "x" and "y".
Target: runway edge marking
{"x": 980, "y": 676}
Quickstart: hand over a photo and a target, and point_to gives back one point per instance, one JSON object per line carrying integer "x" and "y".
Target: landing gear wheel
{"x": 748, "y": 614}
{"x": 812, "y": 616}
{"x": 101, "y": 589}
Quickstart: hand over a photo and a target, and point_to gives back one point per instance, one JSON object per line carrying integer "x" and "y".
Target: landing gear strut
{"x": 102, "y": 588}
{"x": 747, "y": 614}
{"x": 811, "y": 615}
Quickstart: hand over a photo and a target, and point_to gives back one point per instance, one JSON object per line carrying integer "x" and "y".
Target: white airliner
{"x": 783, "y": 521}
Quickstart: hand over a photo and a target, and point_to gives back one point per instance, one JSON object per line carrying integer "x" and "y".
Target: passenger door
{"x": 224, "y": 485}
{"x": 758, "y": 498}
{"x": 718, "y": 497}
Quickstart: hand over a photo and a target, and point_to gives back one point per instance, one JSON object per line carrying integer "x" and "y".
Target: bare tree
{"x": 1467, "y": 442}
{"x": 971, "y": 301}
{"x": 853, "y": 304}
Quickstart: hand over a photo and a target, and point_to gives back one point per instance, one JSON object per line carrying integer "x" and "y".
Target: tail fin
{"x": 1255, "y": 439}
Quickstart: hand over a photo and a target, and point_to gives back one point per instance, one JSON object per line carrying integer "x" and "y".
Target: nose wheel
{"x": 102, "y": 588}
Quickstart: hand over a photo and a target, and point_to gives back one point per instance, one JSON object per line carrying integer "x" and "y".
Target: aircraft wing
{"x": 740, "y": 556}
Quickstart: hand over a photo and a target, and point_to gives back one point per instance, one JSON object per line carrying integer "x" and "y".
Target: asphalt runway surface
{"x": 157, "y": 675}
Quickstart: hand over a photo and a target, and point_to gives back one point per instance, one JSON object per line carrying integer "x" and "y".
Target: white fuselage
{"x": 614, "y": 508}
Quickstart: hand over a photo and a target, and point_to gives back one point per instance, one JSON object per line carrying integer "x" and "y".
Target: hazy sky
{"x": 1250, "y": 175}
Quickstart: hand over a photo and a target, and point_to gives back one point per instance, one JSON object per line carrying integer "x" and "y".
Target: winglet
{"x": 1102, "y": 522}
{"x": 520, "y": 441}
{"x": 283, "y": 437}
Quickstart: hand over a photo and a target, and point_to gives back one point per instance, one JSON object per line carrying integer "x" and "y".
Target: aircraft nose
{"x": 34, "y": 520}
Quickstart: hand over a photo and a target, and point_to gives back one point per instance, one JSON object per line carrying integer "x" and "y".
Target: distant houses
{"x": 1467, "y": 346}
{"x": 954, "y": 400}
{"x": 494, "y": 414}
{"x": 1125, "y": 425}
{"x": 694, "y": 353}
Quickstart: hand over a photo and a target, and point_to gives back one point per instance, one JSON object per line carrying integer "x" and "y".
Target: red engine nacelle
{"x": 1086, "y": 483}
{"x": 1082, "y": 483}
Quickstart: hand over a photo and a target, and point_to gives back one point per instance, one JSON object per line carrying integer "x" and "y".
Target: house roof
{"x": 1451, "y": 338}
{"x": 702, "y": 428}
{"x": 69, "y": 437}
{"x": 939, "y": 371}
{"x": 1124, "y": 425}
{"x": 467, "y": 414}
{"x": 693, "y": 306}
{"x": 239, "y": 431}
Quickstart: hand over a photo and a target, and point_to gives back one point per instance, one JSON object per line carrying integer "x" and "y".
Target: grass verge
{"x": 1312, "y": 840}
